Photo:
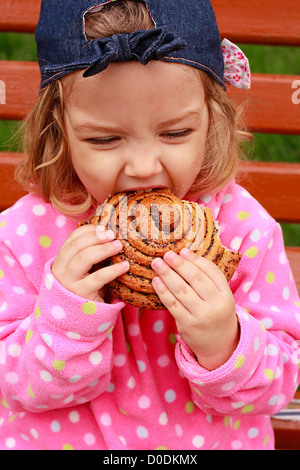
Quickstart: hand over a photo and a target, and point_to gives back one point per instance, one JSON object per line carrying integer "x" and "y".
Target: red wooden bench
{"x": 269, "y": 109}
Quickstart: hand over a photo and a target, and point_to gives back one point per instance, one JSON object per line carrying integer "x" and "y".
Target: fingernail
{"x": 117, "y": 244}
{"x": 185, "y": 253}
{"x": 157, "y": 263}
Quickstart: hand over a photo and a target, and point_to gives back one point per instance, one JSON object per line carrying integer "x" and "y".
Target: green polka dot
{"x": 109, "y": 331}
{"x": 247, "y": 409}
{"x": 297, "y": 304}
{"x": 239, "y": 361}
{"x": 45, "y": 241}
{"x": 251, "y": 252}
{"x": 266, "y": 440}
{"x": 3, "y": 223}
{"x": 172, "y": 338}
{"x": 243, "y": 215}
{"x": 270, "y": 277}
{"x": 37, "y": 312}
{"x": 30, "y": 391}
{"x": 58, "y": 365}
{"x": 89, "y": 308}
{"x": 161, "y": 448}
{"x": 189, "y": 407}
{"x": 226, "y": 421}
{"x": 197, "y": 391}
{"x": 269, "y": 373}
{"x": 4, "y": 403}
{"x": 1, "y": 273}
{"x": 28, "y": 335}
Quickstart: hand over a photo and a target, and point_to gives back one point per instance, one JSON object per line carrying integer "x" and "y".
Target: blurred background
{"x": 263, "y": 59}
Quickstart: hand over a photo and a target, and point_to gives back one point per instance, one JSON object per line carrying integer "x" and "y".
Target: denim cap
{"x": 185, "y": 32}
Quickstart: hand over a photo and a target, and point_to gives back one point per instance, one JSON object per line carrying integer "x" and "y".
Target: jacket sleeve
{"x": 262, "y": 374}
{"x": 55, "y": 347}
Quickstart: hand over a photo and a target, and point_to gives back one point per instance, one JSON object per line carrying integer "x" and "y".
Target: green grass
{"x": 263, "y": 59}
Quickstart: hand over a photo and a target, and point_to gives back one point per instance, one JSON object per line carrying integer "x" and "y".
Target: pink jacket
{"x": 75, "y": 374}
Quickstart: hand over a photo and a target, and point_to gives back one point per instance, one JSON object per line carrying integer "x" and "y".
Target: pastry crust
{"x": 150, "y": 223}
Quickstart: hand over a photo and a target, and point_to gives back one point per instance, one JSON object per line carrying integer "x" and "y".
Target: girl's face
{"x": 136, "y": 127}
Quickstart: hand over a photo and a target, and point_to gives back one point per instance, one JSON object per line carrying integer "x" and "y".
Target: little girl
{"x": 133, "y": 96}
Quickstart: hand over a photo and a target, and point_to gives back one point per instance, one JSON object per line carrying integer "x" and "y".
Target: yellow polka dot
{"x": 237, "y": 424}
{"x": 11, "y": 418}
{"x": 58, "y": 365}
{"x": 226, "y": 421}
{"x": 239, "y": 361}
{"x": 109, "y": 331}
{"x": 1, "y": 273}
{"x": 189, "y": 407}
{"x": 89, "y": 308}
{"x": 128, "y": 347}
{"x": 45, "y": 241}
{"x": 161, "y": 448}
{"x": 197, "y": 391}
{"x": 243, "y": 215}
{"x": 4, "y": 403}
{"x": 263, "y": 326}
{"x": 123, "y": 411}
{"x": 247, "y": 409}
{"x": 37, "y": 312}
{"x": 251, "y": 252}
{"x": 269, "y": 373}
{"x": 30, "y": 391}
{"x": 28, "y": 335}
{"x": 172, "y": 338}
{"x": 266, "y": 440}
{"x": 67, "y": 447}
{"x": 270, "y": 277}
{"x": 297, "y": 304}
{"x": 3, "y": 223}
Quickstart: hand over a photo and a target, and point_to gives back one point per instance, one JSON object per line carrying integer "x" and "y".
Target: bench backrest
{"x": 272, "y": 104}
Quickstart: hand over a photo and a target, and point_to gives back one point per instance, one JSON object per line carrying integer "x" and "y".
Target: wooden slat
{"x": 10, "y": 191}
{"x": 268, "y": 105}
{"x": 287, "y": 432}
{"x": 275, "y": 186}
{"x": 249, "y": 21}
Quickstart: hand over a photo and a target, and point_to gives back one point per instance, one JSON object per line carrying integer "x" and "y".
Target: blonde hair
{"x": 47, "y": 169}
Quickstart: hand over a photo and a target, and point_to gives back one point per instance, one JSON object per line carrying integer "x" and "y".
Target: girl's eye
{"x": 177, "y": 134}
{"x": 103, "y": 140}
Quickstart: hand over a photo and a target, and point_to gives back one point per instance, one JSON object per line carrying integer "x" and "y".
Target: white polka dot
{"x": 10, "y": 442}
{"x": 297, "y": 315}
{"x": 271, "y": 350}
{"x": 89, "y": 439}
{"x": 286, "y": 293}
{"x": 110, "y": 388}
{"x": 123, "y": 440}
{"x": 61, "y": 221}
{"x": 3, "y": 307}
{"x": 74, "y": 378}
{"x": 120, "y": 360}
{"x": 104, "y": 327}
{"x": 228, "y": 386}
{"x": 255, "y": 296}
{"x": 12, "y": 378}
{"x": 198, "y": 441}
{"x": 14, "y": 350}
{"x": 39, "y": 210}
{"x": 26, "y": 260}
{"x": 49, "y": 281}
{"x": 47, "y": 339}
{"x": 255, "y": 235}
{"x": 131, "y": 382}
{"x": 267, "y": 322}
{"x": 170, "y": 396}
{"x": 163, "y": 419}
{"x": 58, "y": 312}
{"x": 133, "y": 329}
{"x": 73, "y": 335}
{"x": 10, "y": 261}
{"x": 163, "y": 361}
{"x": 74, "y": 417}
{"x": 95, "y": 357}
{"x": 282, "y": 258}
{"x": 253, "y": 433}
{"x": 247, "y": 286}
{"x": 158, "y": 326}
{"x": 40, "y": 352}
{"x": 178, "y": 430}
{"x": 18, "y": 290}
{"x": 246, "y": 194}
{"x": 22, "y": 229}
{"x": 256, "y": 344}
{"x": 142, "y": 432}
{"x": 141, "y": 366}
{"x": 274, "y": 400}
{"x": 105, "y": 419}
{"x": 235, "y": 243}
{"x": 46, "y": 376}
{"x": 144, "y": 402}
{"x": 227, "y": 198}
{"x": 55, "y": 426}
{"x": 236, "y": 445}
{"x": 34, "y": 433}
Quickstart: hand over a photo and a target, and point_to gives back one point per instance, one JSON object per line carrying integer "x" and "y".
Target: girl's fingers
{"x": 103, "y": 276}
{"x": 171, "y": 303}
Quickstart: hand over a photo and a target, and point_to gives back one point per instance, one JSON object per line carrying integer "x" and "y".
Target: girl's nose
{"x": 143, "y": 163}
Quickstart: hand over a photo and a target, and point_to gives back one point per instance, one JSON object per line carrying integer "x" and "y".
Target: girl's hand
{"x": 198, "y": 296}
{"x": 84, "y": 248}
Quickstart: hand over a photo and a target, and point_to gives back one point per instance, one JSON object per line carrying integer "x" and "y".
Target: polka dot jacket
{"x": 75, "y": 374}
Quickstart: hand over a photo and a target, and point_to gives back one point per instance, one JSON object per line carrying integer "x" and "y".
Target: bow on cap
{"x": 153, "y": 44}
{"x": 237, "y": 69}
